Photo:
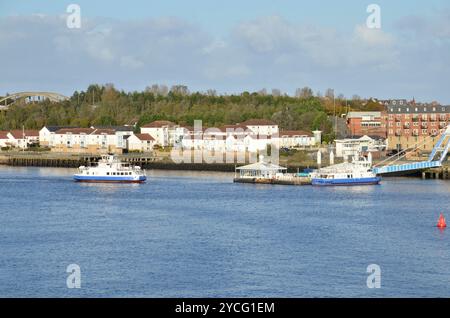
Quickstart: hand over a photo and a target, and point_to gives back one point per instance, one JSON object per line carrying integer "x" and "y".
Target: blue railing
{"x": 442, "y": 146}
{"x": 407, "y": 167}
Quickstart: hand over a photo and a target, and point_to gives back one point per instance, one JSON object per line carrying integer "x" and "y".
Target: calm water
{"x": 187, "y": 234}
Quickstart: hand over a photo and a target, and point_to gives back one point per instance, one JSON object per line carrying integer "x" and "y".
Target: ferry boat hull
{"x": 110, "y": 169}
{"x": 109, "y": 179}
{"x": 345, "y": 182}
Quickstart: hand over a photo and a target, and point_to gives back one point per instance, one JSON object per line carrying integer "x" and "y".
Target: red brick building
{"x": 367, "y": 123}
{"x": 412, "y": 125}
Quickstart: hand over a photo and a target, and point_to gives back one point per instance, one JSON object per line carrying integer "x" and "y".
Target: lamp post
{"x": 335, "y": 118}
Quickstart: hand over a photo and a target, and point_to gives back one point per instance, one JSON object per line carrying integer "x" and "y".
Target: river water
{"x": 194, "y": 234}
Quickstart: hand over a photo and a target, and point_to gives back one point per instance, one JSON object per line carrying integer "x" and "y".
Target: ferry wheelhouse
{"x": 358, "y": 172}
{"x": 110, "y": 169}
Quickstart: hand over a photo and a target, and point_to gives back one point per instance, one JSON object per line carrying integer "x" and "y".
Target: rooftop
{"x": 363, "y": 114}
{"x": 56, "y": 128}
{"x": 18, "y": 133}
{"x": 262, "y": 166}
{"x": 75, "y": 131}
{"x": 4, "y": 134}
{"x": 144, "y": 137}
{"x": 258, "y": 122}
{"x": 293, "y": 133}
{"x": 116, "y": 128}
{"x": 417, "y": 109}
{"x": 159, "y": 124}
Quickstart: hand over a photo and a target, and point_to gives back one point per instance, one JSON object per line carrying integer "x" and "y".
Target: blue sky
{"x": 229, "y": 46}
{"x": 220, "y": 16}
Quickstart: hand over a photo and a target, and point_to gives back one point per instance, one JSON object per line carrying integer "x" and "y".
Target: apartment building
{"x": 411, "y": 125}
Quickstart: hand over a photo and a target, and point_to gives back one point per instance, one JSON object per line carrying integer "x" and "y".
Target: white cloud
{"x": 40, "y": 52}
{"x": 373, "y": 37}
{"x": 130, "y": 62}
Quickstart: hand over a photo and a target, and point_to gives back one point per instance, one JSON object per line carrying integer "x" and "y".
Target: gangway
{"x": 435, "y": 159}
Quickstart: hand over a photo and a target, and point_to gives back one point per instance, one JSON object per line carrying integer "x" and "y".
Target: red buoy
{"x": 441, "y": 223}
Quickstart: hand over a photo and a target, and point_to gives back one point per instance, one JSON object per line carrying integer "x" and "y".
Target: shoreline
{"x": 74, "y": 161}
{"x": 60, "y": 160}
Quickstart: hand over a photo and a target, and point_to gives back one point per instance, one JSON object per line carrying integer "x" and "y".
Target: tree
{"x": 179, "y": 90}
{"x": 276, "y": 92}
{"x": 286, "y": 119}
{"x": 211, "y": 92}
{"x": 329, "y": 93}
{"x": 304, "y": 92}
{"x": 262, "y": 92}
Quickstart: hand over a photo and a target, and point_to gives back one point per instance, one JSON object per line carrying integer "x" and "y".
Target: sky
{"x": 230, "y": 46}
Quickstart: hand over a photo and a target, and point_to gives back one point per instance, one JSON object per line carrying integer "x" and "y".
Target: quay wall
{"x": 74, "y": 161}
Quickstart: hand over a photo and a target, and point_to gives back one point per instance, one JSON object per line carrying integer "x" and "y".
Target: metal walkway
{"x": 435, "y": 159}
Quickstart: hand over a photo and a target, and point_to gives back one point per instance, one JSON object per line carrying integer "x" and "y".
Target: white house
{"x": 89, "y": 140}
{"x": 296, "y": 138}
{"x": 5, "y": 141}
{"x": 230, "y": 138}
{"x": 167, "y": 133}
{"x": 140, "y": 142}
{"x": 21, "y": 138}
{"x": 262, "y": 127}
{"x": 46, "y": 135}
{"x": 351, "y": 147}
{"x": 163, "y": 131}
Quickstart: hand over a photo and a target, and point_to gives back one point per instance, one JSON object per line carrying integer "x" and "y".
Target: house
{"x": 413, "y": 125}
{"x": 5, "y": 141}
{"x": 262, "y": 127}
{"x": 140, "y": 142}
{"x": 163, "y": 131}
{"x": 346, "y": 148}
{"x": 229, "y": 138}
{"x": 23, "y": 139}
{"x": 296, "y": 138}
{"x": 250, "y": 136}
{"x": 367, "y": 123}
{"x": 90, "y": 140}
{"x": 46, "y": 133}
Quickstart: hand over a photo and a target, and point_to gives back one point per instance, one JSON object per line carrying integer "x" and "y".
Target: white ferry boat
{"x": 110, "y": 169}
{"x": 358, "y": 172}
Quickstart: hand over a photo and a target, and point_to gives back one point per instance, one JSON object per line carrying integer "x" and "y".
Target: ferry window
{"x": 107, "y": 173}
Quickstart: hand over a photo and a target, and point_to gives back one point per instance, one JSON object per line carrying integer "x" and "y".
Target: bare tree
{"x": 262, "y": 92}
{"x": 156, "y": 89}
{"x": 180, "y": 90}
{"x": 276, "y": 92}
{"x": 329, "y": 93}
{"x": 304, "y": 92}
{"x": 211, "y": 92}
